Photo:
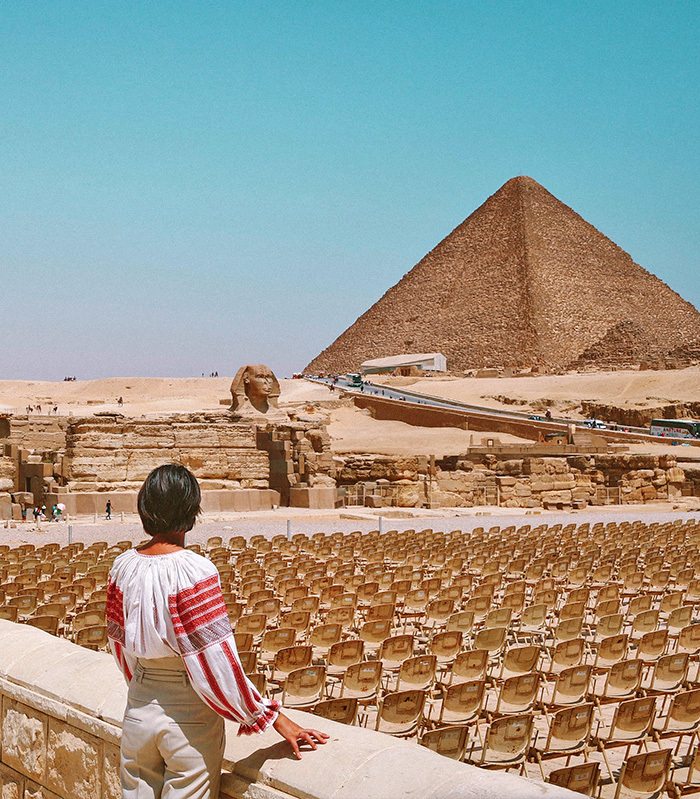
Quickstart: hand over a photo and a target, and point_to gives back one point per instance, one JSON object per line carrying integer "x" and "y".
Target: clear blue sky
{"x": 187, "y": 186}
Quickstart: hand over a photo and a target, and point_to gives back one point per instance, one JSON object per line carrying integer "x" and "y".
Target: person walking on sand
{"x": 170, "y": 634}
{"x": 108, "y": 509}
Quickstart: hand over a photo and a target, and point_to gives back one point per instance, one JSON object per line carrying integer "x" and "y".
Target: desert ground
{"x": 353, "y": 430}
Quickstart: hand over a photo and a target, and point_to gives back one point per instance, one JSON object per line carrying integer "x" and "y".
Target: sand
{"x": 353, "y": 430}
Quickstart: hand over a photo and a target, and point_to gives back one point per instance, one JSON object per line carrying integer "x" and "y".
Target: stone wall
{"x": 35, "y": 431}
{"x": 60, "y": 727}
{"x": 476, "y": 479}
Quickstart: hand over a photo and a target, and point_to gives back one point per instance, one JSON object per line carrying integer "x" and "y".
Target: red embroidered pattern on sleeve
{"x": 199, "y": 616}
{"x": 263, "y": 721}
{"x": 115, "y": 613}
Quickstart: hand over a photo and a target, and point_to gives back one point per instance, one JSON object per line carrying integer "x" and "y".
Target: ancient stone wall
{"x": 60, "y": 726}
{"x": 104, "y": 452}
{"x": 574, "y": 481}
{"x": 35, "y": 432}
{"x": 640, "y": 417}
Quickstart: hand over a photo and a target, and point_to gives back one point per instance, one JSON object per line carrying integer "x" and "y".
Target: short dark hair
{"x": 169, "y": 500}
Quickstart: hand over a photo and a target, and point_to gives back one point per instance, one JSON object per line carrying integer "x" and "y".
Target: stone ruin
{"x": 252, "y": 457}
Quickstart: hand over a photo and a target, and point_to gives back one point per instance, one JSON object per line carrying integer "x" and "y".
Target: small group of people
{"x": 37, "y": 409}
{"x": 212, "y": 374}
{"x": 69, "y": 379}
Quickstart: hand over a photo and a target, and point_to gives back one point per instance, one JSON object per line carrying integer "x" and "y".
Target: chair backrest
{"x": 280, "y": 638}
{"x": 689, "y": 639}
{"x": 446, "y": 644}
{"x": 325, "y": 635}
{"x": 343, "y": 710}
{"x": 653, "y": 644}
{"x": 463, "y": 621}
{"x": 624, "y": 678}
{"x": 469, "y": 665}
{"x": 567, "y": 653}
{"x": 293, "y": 657}
{"x": 298, "y": 620}
{"x": 498, "y": 617}
{"x": 375, "y": 632}
{"x": 670, "y": 672}
{"x": 612, "y": 650}
{"x": 571, "y": 686}
{"x": 508, "y": 739}
{"x": 9, "y": 613}
{"x": 362, "y": 678}
{"x": 254, "y": 623}
{"x": 582, "y": 778}
{"x": 490, "y": 638}
{"x": 403, "y": 709}
{"x": 49, "y": 624}
{"x": 397, "y": 648}
{"x": 448, "y": 741}
{"x": 417, "y": 672}
{"x": 55, "y": 609}
{"x": 463, "y": 700}
{"x": 609, "y": 625}
{"x": 92, "y": 637}
{"x": 534, "y": 616}
{"x": 520, "y": 660}
{"x": 518, "y": 694}
{"x": 645, "y": 775}
{"x": 639, "y": 604}
{"x": 568, "y": 629}
{"x": 679, "y": 618}
{"x": 570, "y": 727}
{"x": 344, "y": 653}
{"x": 633, "y": 718}
{"x": 88, "y": 618}
{"x": 244, "y": 641}
{"x": 645, "y": 622}
{"x": 684, "y": 712}
{"x": 249, "y": 661}
{"x": 304, "y": 686}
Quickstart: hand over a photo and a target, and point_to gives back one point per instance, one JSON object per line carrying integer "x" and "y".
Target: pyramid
{"x": 523, "y": 281}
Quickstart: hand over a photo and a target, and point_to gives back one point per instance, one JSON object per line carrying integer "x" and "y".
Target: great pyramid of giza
{"x": 523, "y": 281}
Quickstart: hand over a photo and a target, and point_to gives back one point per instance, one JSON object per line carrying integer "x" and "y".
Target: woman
{"x": 170, "y": 634}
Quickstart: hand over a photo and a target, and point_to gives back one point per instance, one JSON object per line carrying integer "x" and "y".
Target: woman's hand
{"x": 293, "y": 733}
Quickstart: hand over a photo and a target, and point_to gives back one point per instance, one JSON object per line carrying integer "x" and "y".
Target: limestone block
{"x": 675, "y": 475}
{"x": 11, "y": 783}
{"x": 321, "y": 497}
{"x": 74, "y": 761}
{"x": 411, "y": 495}
{"x": 34, "y": 791}
{"x": 556, "y": 496}
{"x": 111, "y": 784}
{"x": 447, "y": 499}
{"x": 24, "y": 739}
{"x": 5, "y": 512}
{"x": 564, "y": 482}
{"x": 5, "y": 499}
{"x": 505, "y": 481}
{"x": 674, "y": 491}
{"x": 648, "y": 493}
{"x": 6, "y": 484}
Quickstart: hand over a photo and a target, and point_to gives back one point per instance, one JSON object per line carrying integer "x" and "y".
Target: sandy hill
{"x": 522, "y": 281}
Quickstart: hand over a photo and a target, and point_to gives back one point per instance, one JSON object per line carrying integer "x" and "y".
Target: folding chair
{"x": 517, "y": 695}
{"x": 533, "y": 621}
{"x": 622, "y": 681}
{"x": 469, "y": 666}
{"x": 303, "y": 687}
{"x": 249, "y": 661}
{"x": 462, "y": 621}
{"x": 651, "y": 646}
{"x": 566, "y": 654}
{"x": 445, "y": 646}
{"x": 416, "y": 672}
{"x": 644, "y": 776}
{"x": 447, "y": 741}
{"x": 568, "y": 734}
{"x": 274, "y": 640}
{"x": 400, "y": 714}
{"x": 687, "y": 780}
{"x": 570, "y": 688}
{"x": 506, "y": 745}
{"x": 342, "y": 655}
{"x": 681, "y": 719}
{"x": 361, "y": 681}
{"x": 630, "y": 724}
{"x": 461, "y": 703}
{"x": 669, "y": 675}
{"x": 252, "y": 623}
{"x": 491, "y": 639}
{"x": 519, "y": 660}
{"x": 611, "y": 650}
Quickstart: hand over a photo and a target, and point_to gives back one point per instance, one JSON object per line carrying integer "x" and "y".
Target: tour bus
{"x": 355, "y": 380}
{"x": 675, "y": 428}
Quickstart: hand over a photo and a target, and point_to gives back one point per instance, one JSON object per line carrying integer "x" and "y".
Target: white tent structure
{"x": 425, "y": 361}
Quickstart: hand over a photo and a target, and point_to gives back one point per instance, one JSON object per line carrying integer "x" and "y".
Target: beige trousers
{"x": 172, "y": 743}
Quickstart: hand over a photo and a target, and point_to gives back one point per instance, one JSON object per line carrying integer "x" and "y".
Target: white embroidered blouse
{"x": 168, "y": 605}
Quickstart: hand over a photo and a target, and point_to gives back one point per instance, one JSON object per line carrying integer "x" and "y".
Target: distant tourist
{"x": 170, "y": 634}
{"x": 108, "y": 509}
{"x": 548, "y": 413}
{"x": 120, "y": 401}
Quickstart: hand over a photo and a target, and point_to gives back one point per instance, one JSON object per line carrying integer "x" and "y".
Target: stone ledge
{"x": 69, "y": 687}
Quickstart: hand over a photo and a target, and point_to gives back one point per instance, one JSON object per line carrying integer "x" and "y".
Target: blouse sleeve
{"x": 115, "y": 630}
{"x": 208, "y": 650}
